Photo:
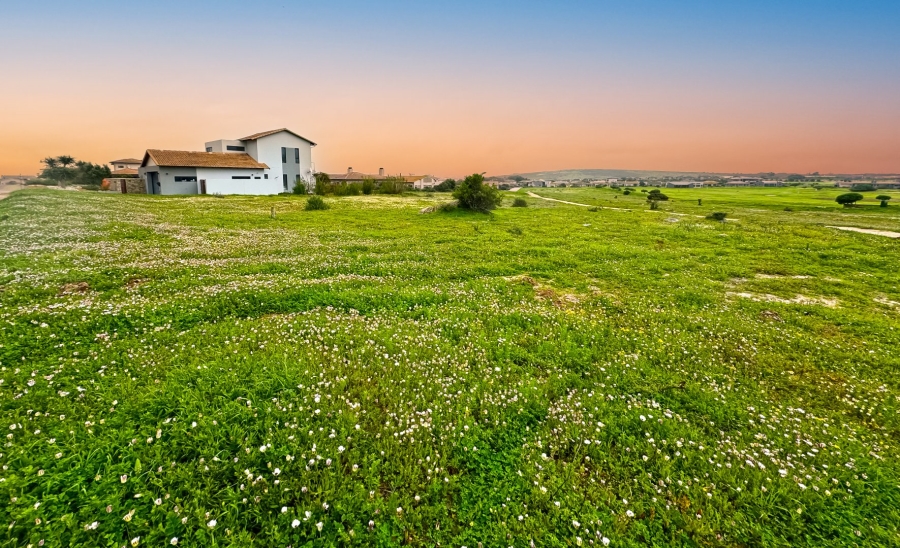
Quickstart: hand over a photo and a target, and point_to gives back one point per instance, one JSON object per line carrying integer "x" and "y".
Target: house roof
{"x": 126, "y": 171}
{"x": 183, "y": 158}
{"x": 273, "y": 132}
{"x": 126, "y": 161}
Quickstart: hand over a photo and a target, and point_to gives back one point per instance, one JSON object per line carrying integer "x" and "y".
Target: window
{"x": 266, "y": 176}
{"x": 296, "y": 155}
{"x": 283, "y": 155}
{"x": 284, "y": 178}
{"x": 185, "y": 179}
{"x": 234, "y": 148}
{"x": 208, "y": 149}
{"x": 240, "y": 176}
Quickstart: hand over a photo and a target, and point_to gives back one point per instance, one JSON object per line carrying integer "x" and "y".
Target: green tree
{"x": 368, "y": 186}
{"x": 848, "y": 199}
{"x": 65, "y": 160}
{"x": 884, "y": 199}
{"x": 473, "y": 194}
{"x": 656, "y": 195}
{"x": 447, "y": 185}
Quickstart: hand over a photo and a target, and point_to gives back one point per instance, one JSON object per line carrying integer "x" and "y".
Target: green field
{"x": 190, "y": 370}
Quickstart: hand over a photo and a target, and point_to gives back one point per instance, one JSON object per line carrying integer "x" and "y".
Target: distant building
{"x": 357, "y": 177}
{"x": 125, "y": 166}
{"x": 740, "y": 180}
{"x": 263, "y": 163}
{"x": 772, "y": 183}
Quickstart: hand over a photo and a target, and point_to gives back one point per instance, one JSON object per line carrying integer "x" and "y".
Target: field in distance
{"x": 191, "y": 371}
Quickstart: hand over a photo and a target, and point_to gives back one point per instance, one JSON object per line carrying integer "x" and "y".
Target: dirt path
{"x": 533, "y": 195}
{"x": 872, "y": 231}
{"x": 6, "y": 190}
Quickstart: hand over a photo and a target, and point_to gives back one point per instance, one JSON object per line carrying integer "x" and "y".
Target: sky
{"x": 450, "y": 88}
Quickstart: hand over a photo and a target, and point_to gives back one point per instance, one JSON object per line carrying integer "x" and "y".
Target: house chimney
{"x": 381, "y": 172}
{"x": 349, "y": 170}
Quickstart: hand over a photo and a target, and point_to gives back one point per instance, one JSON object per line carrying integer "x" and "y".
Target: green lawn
{"x": 190, "y": 368}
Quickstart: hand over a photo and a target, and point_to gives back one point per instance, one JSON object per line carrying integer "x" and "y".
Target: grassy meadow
{"x": 191, "y": 371}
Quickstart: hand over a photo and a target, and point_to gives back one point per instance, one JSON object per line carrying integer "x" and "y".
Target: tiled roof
{"x": 126, "y": 161}
{"x": 183, "y": 158}
{"x": 126, "y": 171}
{"x": 273, "y": 132}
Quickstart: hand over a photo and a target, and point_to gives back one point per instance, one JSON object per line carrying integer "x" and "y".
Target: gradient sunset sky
{"x": 458, "y": 87}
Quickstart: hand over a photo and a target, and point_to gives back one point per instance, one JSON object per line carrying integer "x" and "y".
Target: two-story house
{"x": 263, "y": 163}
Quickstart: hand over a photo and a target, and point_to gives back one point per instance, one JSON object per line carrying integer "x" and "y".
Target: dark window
{"x": 235, "y": 148}
{"x": 202, "y": 186}
{"x": 208, "y": 149}
{"x": 283, "y": 155}
{"x": 185, "y": 179}
{"x": 266, "y": 176}
{"x": 284, "y": 178}
{"x": 240, "y": 176}
{"x": 296, "y": 155}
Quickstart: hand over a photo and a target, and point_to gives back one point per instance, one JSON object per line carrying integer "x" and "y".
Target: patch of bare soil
{"x": 77, "y": 287}
{"x": 885, "y": 233}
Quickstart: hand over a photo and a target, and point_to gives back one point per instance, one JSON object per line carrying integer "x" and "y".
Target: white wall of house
{"x": 242, "y": 186}
{"x": 222, "y": 145}
{"x": 268, "y": 151}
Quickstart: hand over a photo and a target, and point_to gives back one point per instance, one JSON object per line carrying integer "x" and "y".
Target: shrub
{"x": 848, "y": 199}
{"x": 520, "y": 202}
{"x": 323, "y": 181}
{"x": 594, "y": 209}
{"x": 40, "y": 182}
{"x": 473, "y": 194}
{"x": 717, "y": 216}
{"x": 656, "y": 195}
{"x": 626, "y": 192}
{"x": 883, "y": 198}
{"x": 299, "y": 187}
{"x": 446, "y": 207}
{"x": 654, "y": 205}
{"x": 368, "y": 186}
{"x": 315, "y": 203}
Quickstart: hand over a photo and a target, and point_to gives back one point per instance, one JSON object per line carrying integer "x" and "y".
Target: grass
{"x": 191, "y": 368}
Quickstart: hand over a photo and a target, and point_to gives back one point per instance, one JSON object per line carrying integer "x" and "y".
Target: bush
{"x": 656, "y": 195}
{"x": 323, "y": 181}
{"x": 446, "y": 207}
{"x": 717, "y": 216}
{"x": 299, "y": 187}
{"x": 368, "y": 186}
{"x": 594, "y": 209}
{"x": 315, "y": 203}
{"x": 40, "y": 182}
{"x": 520, "y": 202}
{"x": 654, "y": 205}
{"x": 626, "y": 192}
{"x": 848, "y": 199}
{"x": 883, "y": 198}
{"x": 473, "y": 194}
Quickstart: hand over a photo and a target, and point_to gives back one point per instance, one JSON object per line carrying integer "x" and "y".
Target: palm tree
{"x": 65, "y": 160}
{"x": 50, "y": 162}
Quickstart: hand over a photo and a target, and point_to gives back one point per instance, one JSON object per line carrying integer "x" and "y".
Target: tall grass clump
{"x": 520, "y": 202}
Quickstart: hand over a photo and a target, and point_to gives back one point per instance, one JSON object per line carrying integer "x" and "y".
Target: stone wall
{"x": 131, "y": 185}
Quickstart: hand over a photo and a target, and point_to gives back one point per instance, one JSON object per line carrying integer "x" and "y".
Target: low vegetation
{"x": 473, "y": 194}
{"x": 197, "y": 372}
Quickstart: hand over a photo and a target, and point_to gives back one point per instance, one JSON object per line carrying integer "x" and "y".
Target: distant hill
{"x": 569, "y": 174}
{"x": 607, "y": 173}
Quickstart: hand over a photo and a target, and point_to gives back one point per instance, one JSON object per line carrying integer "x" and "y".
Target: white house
{"x": 263, "y": 163}
{"x": 125, "y": 166}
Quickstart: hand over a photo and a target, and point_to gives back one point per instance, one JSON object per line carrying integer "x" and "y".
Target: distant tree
{"x": 392, "y": 185}
{"x": 65, "y": 160}
{"x": 884, "y": 199}
{"x": 447, "y": 185}
{"x": 89, "y": 174}
{"x": 862, "y": 187}
{"x": 51, "y": 162}
{"x": 656, "y": 195}
{"x": 848, "y": 199}
{"x": 518, "y": 178}
{"x": 473, "y": 194}
{"x": 795, "y": 177}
